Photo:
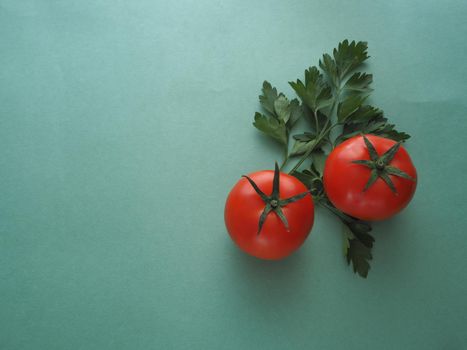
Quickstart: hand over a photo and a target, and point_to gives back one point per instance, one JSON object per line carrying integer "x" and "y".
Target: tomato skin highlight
{"x": 243, "y": 209}
{"x": 344, "y": 181}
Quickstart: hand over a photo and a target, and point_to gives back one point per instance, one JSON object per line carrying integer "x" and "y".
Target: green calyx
{"x": 380, "y": 166}
{"x": 274, "y": 202}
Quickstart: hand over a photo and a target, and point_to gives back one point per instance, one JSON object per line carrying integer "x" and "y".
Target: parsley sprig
{"x": 333, "y": 99}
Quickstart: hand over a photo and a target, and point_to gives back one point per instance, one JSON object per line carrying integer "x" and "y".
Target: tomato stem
{"x": 380, "y": 166}
{"x": 273, "y": 202}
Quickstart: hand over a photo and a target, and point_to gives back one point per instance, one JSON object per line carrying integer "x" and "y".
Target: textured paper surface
{"x": 125, "y": 123}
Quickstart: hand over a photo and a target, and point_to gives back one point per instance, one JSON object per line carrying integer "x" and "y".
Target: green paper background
{"x": 124, "y": 124}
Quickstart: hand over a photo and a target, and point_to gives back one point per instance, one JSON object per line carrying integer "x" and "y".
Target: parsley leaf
{"x": 346, "y": 58}
{"x": 329, "y": 66}
{"x": 301, "y": 147}
{"x": 305, "y": 137}
{"x": 349, "y": 56}
{"x": 315, "y": 93}
{"x": 359, "y": 255}
{"x": 296, "y": 112}
{"x": 359, "y": 82}
{"x": 271, "y": 127}
{"x": 276, "y": 105}
{"x": 280, "y": 116}
{"x": 303, "y": 142}
{"x": 371, "y": 121}
{"x": 357, "y": 246}
{"x": 281, "y": 108}
{"x": 268, "y": 97}
{"x": 311, "y": 179}
{"x": 319, "y": 159}
{"x": 349, "y": 106}
{"x": 306, "y": 177}
{"x": 365, "y": 113}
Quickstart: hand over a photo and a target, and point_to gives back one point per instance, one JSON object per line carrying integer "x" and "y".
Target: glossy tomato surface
{"x": 243, "y": 209}
{"x": 344, "y": 181}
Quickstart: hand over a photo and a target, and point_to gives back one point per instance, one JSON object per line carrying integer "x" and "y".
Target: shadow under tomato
{"x": 396, "y": 241}
{"x": 265, "y": 285}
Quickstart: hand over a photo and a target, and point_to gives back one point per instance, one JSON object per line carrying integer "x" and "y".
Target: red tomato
{"x": 345, "y": 181}
{"x": 244, "y": 207}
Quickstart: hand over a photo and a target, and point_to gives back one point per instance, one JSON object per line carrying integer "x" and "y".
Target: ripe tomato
{"x": 370, "y": 185}
{"x": 245, "y": 206}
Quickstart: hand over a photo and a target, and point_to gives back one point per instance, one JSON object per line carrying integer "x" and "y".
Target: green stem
{"x": 334, "y": 125}
{"x": 316, "y": 120}
{"x": 345, "y": 218}
{"x": 311, "y": 149}
{"x": 286, "y": 158}
{"x": 325, "y": 129}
